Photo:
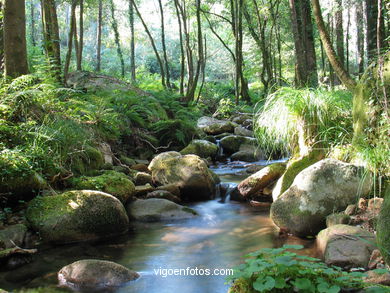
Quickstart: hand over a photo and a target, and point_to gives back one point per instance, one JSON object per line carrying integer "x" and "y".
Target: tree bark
{"x": 339, "y": 31}
{"x": 15, "y": 51}
{"x": 164, "y": 47}
{"x": 360, "y": 37}
{"x": 51, "y": 36}
{"x": 132, "y": 43}
{"x": 306, "y": 63}
{"x": 182, "y": 53}
{"x": 32, "y": 16}
{"x": 99, "y": 36}
{"x": 81, "y": 36}
{"x": 342, "y": 74}
{"x": 70, "y": 38}
{"x": 371, "y": 37}
{"x": 117, "y": 39}
{"x": 1, "y": 40}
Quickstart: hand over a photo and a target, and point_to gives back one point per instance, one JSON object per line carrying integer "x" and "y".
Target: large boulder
{"x": 158, "y": 209}
{"x": 214, "y": 126}
{"x": 112, "y": 182}
{"x": 261, "y": 179}
{"x": 93, "y": 274}
{"x": 190, "y": 173}
{"x": 232, "y": 143}
{"x": 323, "y": 188}
{"x": 346, "y": 246}
{"x": 77, "y": 216}
{"x": 239, "y": 130}
{"x": 382, "y": 227}
{"x": 87, "y": 161}
{"x": 201, "y": 148}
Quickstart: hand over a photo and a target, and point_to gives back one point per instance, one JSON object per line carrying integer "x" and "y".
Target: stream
{"x": 217, "y": 239}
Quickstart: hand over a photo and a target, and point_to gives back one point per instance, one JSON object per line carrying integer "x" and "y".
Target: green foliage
{"x": 177, "y": 131}
{"x": 281, "y": 270}
{"x": 325, "y": 116}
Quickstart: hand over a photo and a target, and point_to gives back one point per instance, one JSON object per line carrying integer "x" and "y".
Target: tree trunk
{"x": 182, "y": 54}
{"x": 99, "y": 37}
{"x": 152, "y": 43}
{"x": 32, "y": 16}
{"x": 1, "y": 40}
{"x": 81, "y": 36}
{"x": 342, "y": 74}
{"x": 360, "y": 36}
{"x": 132, "y": 43}
{"x": 339, "y": 31}
{"x": 306, "y": 64}
{"x": 164, "y": 48}
{"x": 371, "y": 18}
{"x": 70, "y": 39}
{"x": 117, "y": 39}
{"x": 15, "y": 51}
{"x": 51, "y": 36}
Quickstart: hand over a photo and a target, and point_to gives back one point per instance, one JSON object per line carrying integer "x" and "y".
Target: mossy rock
{"x": 13, "y": 235}
{"x": 112, "y": 182}
{"x": 126, "y": 160}
{"x": 232, "y": 143}
{"x": 337, "y": 218}
{"x": 201, "y": 148}
{"x": 382, "y": 228}
{"x": 294, "y": 167}
{"x": 88, "y": 160}
{"x": 77, "y": 216}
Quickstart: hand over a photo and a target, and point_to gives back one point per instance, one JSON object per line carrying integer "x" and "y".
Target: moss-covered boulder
{"x": 337, "y": 218}
{"x": 77, "y": 216}
{"x": 158, "y": 209}
{"x": 190, "y": 173}
{"x": 261, "y": 179}
{"x": 201, "y": 148}
{"x": 346, "y": 246}
{"x": 89, "y": 160}
{"x": 214, "y": 126}
{"x": 294, "y": 167}
{"x": 323, "y": 188}
{"x": 382, "y": 228}
{"x": 164, "y": 195}
{"x": 232, "y": 143}
{"x": 95, "y": 275}
{"x": 112, "y": 182}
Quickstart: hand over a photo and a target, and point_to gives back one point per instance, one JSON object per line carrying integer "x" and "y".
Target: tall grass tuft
{"x": 325, "y": 115}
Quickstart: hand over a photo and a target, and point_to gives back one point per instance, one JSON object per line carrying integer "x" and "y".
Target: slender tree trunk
{"x": 32, "y": 16}
{"x": 51, "y": 36}
{"x": 70, "y": 38}
{"x": 117, "y": 39}
{"x": 1, "y": 40}
{"x": 347, "y": 39}
{"x": 132, "y": 43}
{"x": 380, "y": 29}
{"x": 164, "y": 48}
{"x": 340, "y": 31}
{"x": 182, "y": 54}
{"x": 75, "y": 39}
{"x": 81, "y": 36}
{"x": 152, "y": 43}
{"x": 99, "y": 37}
{"x": 360, "y": 36}
{"x": 342, "y": 74}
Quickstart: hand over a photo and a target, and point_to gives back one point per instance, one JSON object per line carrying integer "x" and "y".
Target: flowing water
{"x": 217, "y": 239}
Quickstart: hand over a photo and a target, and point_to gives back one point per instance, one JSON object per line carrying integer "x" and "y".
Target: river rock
{"x": 164, "y": 194}
{"x": 261, "y": 179}
{"x": 319, "y": 190}
{"x": 201, "y": 148}
{"x": 214, "y": 126}
{"x": 13, "y": 235}
{"x": 157, "y": 209}
{"x": 112, "y": 182}
{"x": 337, "y": 218}
{"x": 239, "y": 130}
{"x": 142, "y": 190}
{"x": 190, "y": 173}
{"x": 77, "y": 216}
{"x": 93, "y": 274}
{"x": 232, "y": 143}
{"x": 346, "y": 246}
{"x": 142, "y": 178}
{"x": 172, "y": 188}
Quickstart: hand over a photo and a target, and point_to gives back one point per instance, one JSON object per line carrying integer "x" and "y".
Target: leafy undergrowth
{"x": 281, "y": 270}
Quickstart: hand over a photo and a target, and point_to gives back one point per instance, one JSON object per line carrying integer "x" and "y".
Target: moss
{"x": 112, "y": 182}
{"x": 337, "y": 218}
{"x": 294, "y": 167}
{"x": 189, "y": 210}
{"x": 202, "y": 148}
{"x": 382, "y": 227}
{"x": 88, "y": 161}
